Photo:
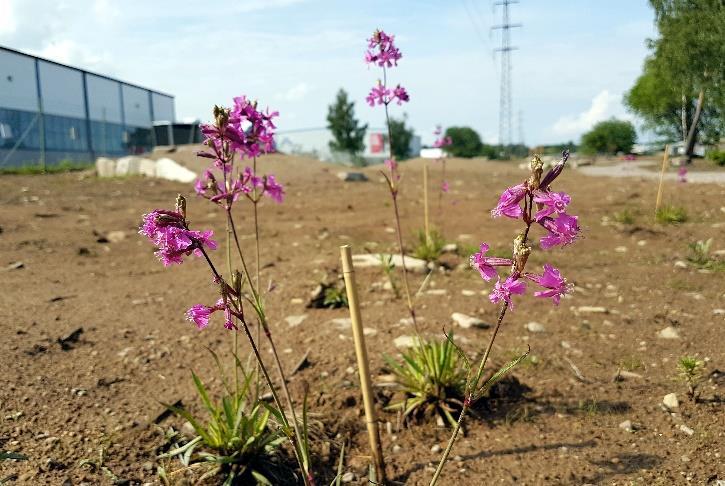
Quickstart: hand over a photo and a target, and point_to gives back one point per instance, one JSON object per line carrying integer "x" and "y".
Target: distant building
{"x": 51, "y": 112}
{"x": 315, "y": 142}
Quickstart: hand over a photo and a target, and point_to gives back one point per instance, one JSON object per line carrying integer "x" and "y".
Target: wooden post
{"x": 662, "y": 178}
{"x": 362, "y": 363}
{"x": 426, "y": 225}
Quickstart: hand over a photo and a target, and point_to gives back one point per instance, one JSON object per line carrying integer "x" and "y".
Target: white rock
{"x": 128, "y": 165}
{"x": 116, "y": 236}
{"x": 171, "y": 170}
{"x": 718, "y": 312}
{"x": 369, "y": 331}
{"x": 368, "y": 260}
{"x": 408, "y": 321}
{"x": 668, "y": 333}
{"x": 680, "y": 264}
{"x": 450, "y": 248}
{"x": 467, "y": 322}
{"x": 397, "y": 448}
{"x": 626, "y": 425}
{"x": 342, "y": 323}
{"x": 670, "y": 401}
{"x": 534, "y": 327}
{"x": 621, "y": 249}
{"x": 294, "y": 321}
{"x": 147, "y": 167}
{"x": 404, "y": 341}
{"x": 687, "y": 430}
{"x": 348, "y": 477}
{"x": 436, "y": 292}
{"x": 105, "y": 167}
{"x": 468, "y": 293}
{"x": 592, "y": 309}
{"x": 436, "y": 449}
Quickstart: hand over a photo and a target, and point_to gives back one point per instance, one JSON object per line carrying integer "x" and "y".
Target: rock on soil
{"x": 367, "y": 260}
{"x": 670, "y": 401}
{"x": 352, "y": 176}
{"x": 534, "y": 327}
{"x": 467, "y": 322}
{"x": 668, "y": 333}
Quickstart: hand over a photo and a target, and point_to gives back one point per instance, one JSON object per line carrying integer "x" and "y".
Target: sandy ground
{"x": 71, "y": 259}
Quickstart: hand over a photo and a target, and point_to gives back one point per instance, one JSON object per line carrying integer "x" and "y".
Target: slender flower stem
{"x": 255, "y": 201}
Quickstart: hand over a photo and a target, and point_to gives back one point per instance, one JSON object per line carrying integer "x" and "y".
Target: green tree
{"x": 402, "y": 136}
{"x": 346, "y": 130}
{"x": 681, "y": 92}
{"x": 465, "y": 142}
{"x": 609, "y": 137}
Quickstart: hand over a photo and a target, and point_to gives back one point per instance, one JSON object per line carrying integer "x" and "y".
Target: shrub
{"x": 465, "y": 142}
{"x": 700, "y": 256}
{"x": 609, "y": 137}
{"x": 429, "y": 248}
{"x": 433, "y": 378}
{"x": 689, "y": 370}
{"x": 717, "y": 156}
{"x": 671, "y": 215}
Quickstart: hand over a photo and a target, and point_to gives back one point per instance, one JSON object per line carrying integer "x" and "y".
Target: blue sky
{"x": 575, "y": 58}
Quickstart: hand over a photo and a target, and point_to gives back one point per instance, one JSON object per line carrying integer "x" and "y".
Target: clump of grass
{"x": 671, "y": 215}
{"x": 386, "y": 262}
{"x": 62, "y": 166}
{"x": 236, "y": 441}
{"x": 433, "y": 378}
{"x": 625, "y": 216}
{"x": 631, "y": 363}
{"x": 429, "y": 248}
{"x": 335, "y": 297}
{"x": 700, "y": 256}
{"x": 690, "y": 370}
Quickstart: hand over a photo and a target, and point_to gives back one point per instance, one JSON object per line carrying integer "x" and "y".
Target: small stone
{"x": 592, "y": 309}
{"x": 116, "y": 236}
{"x": 670, "y": 401}
{"x": 297, "y": 301}
{"x": 352, "y": 176}
{"x": 468, "y": 293}
{"x": 404, "y": 342}
{"x": 369, "y": 331}
{"x": 436, "y": 449}
{"x": 687, "y": 430}
{"x": 450, "y": 248}
{"x": 348, "y": 477}
{"x": 534, "y": 327}
{"x": 342, "y": 323}
{"x": 294, "y": 321}
{"x": 680, "y": 264}
{"x": 627, "y": 425}
{"x": 685, "y": 459}
{"x": 397, "y": 448}
{"x": 467, "y": 322}
{"x": 718, "y": 312}
{"x": 436, "y": 292}
{"x": 668, "y": 333}
{"x": 621, "y": 249}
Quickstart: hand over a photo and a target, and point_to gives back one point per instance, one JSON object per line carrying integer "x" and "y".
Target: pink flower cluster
{"x": 562, "y": 230}
{"x": 169, "y": 232}
{"x": 382, "y": 50}
{"x": 200, "y": 314}
{"x": 440, "y": 141}
{"x": 246, "y": 183}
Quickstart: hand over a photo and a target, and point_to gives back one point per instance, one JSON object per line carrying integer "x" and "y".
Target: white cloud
{"x": 74, "y": 54}
{"x": 105, "y": 11}
{"x": 296, "y": 92}
{"x": 8, "y": 23}
{"x": 604, "y": 106}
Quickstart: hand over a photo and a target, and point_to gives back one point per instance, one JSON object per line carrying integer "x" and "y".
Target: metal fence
{"x": 50, "y": 112}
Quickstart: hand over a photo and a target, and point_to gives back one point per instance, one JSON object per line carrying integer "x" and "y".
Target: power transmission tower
{"x": 505, "y": 137}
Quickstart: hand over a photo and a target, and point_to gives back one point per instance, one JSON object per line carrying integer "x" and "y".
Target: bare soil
{"x": 67, "y": 396}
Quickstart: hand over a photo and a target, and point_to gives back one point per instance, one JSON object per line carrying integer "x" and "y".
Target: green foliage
{"x": 237, "y": 440}
{"x": 625, "y": 216}
{"x": 717, "y": 156}
{"x": 335, "y": 297}
{"x": 700, "y": 256}
{"x": 433, "y": 378}
{"x": 402, "y": 136}
{"x": 62, "y": 166}
{"x": 686, "y": 57}
{"x": 429, "y": 248}
{"x": 690, "y": 370}
{"x": 465, "y": 142}
{"x": 386, "y": 262}
{"x": 671, "y": 215}
{"x": 609, "y": 137}
{"x": 347, "y": 132}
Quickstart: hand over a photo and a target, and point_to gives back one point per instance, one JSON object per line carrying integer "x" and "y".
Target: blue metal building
{"x": 51, "y": 112}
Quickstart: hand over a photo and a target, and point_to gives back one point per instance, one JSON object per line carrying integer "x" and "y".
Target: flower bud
{"x": 237, "y": 281}
{"x": 537, "y": 168}
{"x": 181, "y": 205}
{"x": 521, "y": 253}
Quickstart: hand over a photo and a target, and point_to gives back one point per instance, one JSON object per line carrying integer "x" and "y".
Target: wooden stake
{"x": 662, "y": 178}
{"x": 425, "y": 204}
{"x": 362, "y": 363}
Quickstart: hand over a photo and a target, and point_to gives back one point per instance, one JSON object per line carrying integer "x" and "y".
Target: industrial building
{"x": 50, "y": 112}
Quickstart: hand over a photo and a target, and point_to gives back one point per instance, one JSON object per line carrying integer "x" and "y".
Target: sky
{"x": 574, "y": 62}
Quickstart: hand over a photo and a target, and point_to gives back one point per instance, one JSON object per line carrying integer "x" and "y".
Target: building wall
{"x": 50, "y": 112}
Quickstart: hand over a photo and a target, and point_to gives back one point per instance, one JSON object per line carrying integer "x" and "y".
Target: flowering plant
{"x": 518, "y": 202}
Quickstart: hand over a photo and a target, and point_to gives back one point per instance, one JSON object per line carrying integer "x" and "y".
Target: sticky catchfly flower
{"x": 508, "y": 204}
{"x": 552, "y": 202}
{"x": 200, "y": 314}
{"x": 563, "y": 230}
{"x": 382, "y": 50}
{"x": 485, "y": 264}
{"x": 552, "y": 281}
{"x": 167, "y": 230}
{"x": 502, "y": 291}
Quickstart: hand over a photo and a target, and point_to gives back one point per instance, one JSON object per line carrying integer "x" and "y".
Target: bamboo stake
{"x": 662, "y": 178}
{"x": 425, "y": 204}
{"x": 362, "y": 363}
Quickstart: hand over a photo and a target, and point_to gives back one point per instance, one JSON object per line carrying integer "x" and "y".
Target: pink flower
{"x": 682, "y": 174}
{"x": 442, "y": 142}
{"x": 167, "y": 230}
{"x": 444, "y": 186}
{"x": 503, "y": 291}
{"x": 273, "y": 189}
{"x": 200, "y": 314}
{"x": 552, "y": 281}
{"x": 563, "y": 230}
{"x": 378, "y": 94}
{"x": 400, "y": 94}
{"x": 485, "y": 264}
{"x": 508, "y": 204}
{"x": 554, "y": 202}
{"x": 382, "y": 50}
{"x": 555, "y": 171}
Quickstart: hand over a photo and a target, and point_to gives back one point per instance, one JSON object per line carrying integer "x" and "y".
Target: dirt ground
{"x": 71, "y": 259}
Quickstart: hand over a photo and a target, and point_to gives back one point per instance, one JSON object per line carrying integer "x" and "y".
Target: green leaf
{"x": 204, "y": 396}
{"x": 500, "y": 374}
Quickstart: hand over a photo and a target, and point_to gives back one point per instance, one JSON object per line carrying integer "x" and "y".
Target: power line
{"x": 505, "y": 127}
